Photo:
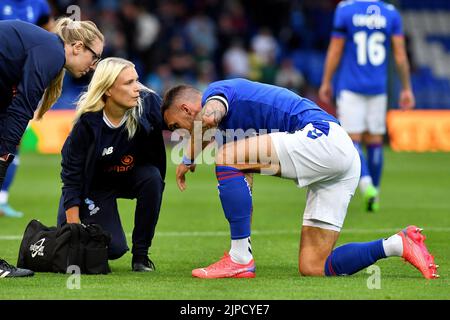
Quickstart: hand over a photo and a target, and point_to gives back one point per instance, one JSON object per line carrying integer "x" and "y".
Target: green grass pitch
{"x": 192, "y": 232}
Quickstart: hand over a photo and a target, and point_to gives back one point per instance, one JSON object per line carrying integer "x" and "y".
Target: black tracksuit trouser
{"x": 143, "y": 183}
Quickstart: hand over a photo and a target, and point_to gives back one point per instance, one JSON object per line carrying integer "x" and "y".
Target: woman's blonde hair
{"x": 69, "y": 31}
{"x": 94, "y": 98}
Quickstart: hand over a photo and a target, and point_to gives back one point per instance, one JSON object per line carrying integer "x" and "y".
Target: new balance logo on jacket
{"x": 107, "y": 151}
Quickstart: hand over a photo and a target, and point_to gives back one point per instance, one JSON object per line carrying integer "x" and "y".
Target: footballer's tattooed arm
{"x": 212, "y": 113}
{"x": 210, "y": 116}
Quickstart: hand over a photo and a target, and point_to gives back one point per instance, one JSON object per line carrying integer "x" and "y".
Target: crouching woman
{"x": 115, "y": 150}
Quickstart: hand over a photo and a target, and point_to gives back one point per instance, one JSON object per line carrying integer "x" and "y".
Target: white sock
{"x": 364, "y": 183}
{"x": 3, "y": 197}
{"x": 241, "y": 251}
{"x": 393, "y": 246}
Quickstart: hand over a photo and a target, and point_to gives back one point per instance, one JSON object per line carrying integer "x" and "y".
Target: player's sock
{"x": 352, "y": 257}
{"x": 364, "y": 183}
{"x": 365, "y": 179}
{"x": 236, "y": 199}
{"x": 375, "y": 162}
{"x": 9, "y": 178}
{"x": 4, "y": 195}
{"x": 241, "y": 251}
{"x": 393, "y": 246}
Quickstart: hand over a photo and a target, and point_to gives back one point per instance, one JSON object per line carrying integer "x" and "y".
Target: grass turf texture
{"x": 192, "y": 232}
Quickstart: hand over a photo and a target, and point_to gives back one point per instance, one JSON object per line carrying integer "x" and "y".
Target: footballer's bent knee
{"x": 309, "y": 270}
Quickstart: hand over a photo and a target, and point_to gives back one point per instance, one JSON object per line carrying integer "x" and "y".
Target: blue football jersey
{"x": 258, "y": 106}
{"x": 25, "y": 10}
{"x": 367, "y": 27}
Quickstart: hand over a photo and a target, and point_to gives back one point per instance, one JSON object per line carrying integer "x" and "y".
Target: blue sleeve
{"x": 339, "y": 26}
{"x": 397, "y": 29}
{"x": 73, "y": 163}
{"x": 220, "y": 88}
{"x": 39, "y": 69}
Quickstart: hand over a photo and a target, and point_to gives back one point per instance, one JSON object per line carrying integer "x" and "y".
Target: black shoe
{"x": 142, "y": 264}
{"x": 9, "y": 271}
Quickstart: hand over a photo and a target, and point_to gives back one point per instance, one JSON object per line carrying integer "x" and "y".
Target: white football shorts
{"x": 328, "y": 165}
{"x": 360, "y": 113}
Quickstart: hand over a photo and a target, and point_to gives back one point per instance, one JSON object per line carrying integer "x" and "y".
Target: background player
{"x": 364, "y": 32}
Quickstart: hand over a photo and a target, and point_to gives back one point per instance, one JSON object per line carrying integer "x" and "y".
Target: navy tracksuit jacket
{"x": 100, "y": 164}
{"x": 30, "y": 58}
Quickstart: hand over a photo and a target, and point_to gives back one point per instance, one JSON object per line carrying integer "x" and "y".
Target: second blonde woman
{"x": 115, "y": 150}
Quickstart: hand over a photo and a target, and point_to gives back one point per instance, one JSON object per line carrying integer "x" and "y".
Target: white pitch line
{"x": 387, "y": 231}
{"x": 10, "y": 237}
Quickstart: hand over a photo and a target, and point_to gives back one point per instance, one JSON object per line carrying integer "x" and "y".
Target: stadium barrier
{"x": 419, "y": 130}
{"x": 48, "y": 135}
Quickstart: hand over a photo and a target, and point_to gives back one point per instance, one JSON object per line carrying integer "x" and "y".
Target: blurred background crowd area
{"x": 281, "y": 42}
